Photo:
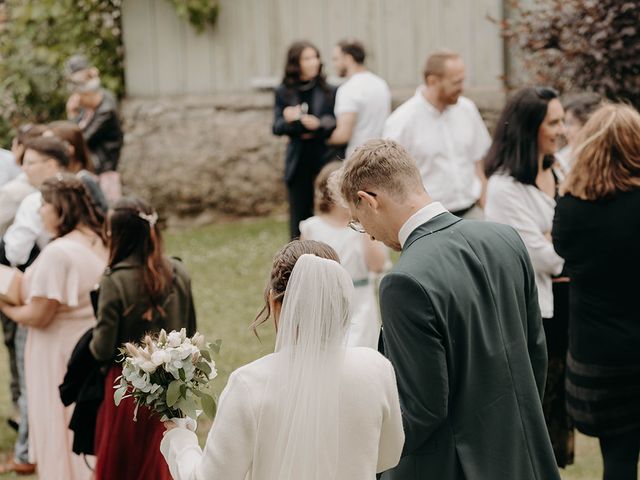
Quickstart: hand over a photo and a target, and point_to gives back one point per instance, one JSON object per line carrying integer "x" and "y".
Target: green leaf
{"x": 205, "y": 354}
{"x": 182, "y": 375}
{"x": 205, "y": 367}
{"x": 216, "y": 346}
{"x": 173, "y": 392}
{"x": 208, "y": 404}
{"x": 188, "y": 407}
{"x": 119, "y": 394}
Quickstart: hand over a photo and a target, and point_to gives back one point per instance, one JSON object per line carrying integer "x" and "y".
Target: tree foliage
{"x": 37, "y": 37}
{"x": 580, "y": 45}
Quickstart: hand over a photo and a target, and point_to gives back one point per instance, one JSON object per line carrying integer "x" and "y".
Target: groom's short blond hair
{"x": 380, "y": 165}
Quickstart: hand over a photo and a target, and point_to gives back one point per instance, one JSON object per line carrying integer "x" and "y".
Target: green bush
{"x": 36, "y": 38}
{"x": 580, "y": 45}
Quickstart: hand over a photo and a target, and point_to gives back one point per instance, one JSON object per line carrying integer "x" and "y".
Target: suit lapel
{"x": 440, "y": 222}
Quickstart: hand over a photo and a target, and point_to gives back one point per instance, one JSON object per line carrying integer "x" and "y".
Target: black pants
{"x": 300, "y": 187}
{"x": 620, "y": 456}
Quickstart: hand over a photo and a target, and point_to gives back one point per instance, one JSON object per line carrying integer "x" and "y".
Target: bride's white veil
{"x": 304, "y": 386}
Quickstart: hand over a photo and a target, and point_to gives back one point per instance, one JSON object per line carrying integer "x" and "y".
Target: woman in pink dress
{"x": 58, "y": 311}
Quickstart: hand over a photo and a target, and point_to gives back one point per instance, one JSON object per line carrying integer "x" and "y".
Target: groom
{"x": 461, "y": 325}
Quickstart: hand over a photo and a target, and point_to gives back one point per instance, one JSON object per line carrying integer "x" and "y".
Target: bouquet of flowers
{"x": 168, "y": 374}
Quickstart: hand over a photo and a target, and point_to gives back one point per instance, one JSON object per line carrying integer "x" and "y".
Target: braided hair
{"x": 283, "y": 264}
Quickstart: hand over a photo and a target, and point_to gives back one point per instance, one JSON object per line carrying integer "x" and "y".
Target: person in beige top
{"x": 57, "y": 311}
{"x": 312, "y": 410}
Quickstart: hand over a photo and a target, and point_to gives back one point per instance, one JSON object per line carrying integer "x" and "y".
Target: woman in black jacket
{"x": 597, "y": 230}
{"x": 304, "y": 112}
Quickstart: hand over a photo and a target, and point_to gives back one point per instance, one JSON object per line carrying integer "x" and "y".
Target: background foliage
{"x": 37, "y": 36}
{"x": 580, "y": 45}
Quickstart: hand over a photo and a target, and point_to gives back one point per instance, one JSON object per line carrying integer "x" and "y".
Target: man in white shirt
{"x": 363, "y": 102}
{"x": 44, "y": 157}
{"x": 446, "y": 135}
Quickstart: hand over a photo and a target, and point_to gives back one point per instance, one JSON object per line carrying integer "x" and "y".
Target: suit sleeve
{"x": 280, "y": 125}
{"x": 414, "y": 342}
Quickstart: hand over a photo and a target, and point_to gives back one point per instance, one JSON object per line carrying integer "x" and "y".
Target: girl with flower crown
{"x": 142, "y": 291}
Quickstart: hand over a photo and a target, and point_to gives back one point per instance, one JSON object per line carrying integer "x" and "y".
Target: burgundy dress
{"x": 118, "y": 456}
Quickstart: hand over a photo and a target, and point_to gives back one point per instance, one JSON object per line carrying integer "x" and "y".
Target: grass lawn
{"x": 229, "y": 264}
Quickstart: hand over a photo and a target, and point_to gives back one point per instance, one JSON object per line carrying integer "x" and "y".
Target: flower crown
{"x": 150, "y": 218}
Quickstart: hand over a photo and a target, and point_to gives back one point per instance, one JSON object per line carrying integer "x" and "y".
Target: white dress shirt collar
{"x": 421, "y": 217}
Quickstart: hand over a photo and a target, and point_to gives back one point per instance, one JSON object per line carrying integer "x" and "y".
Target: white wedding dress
{"x": 312, "y": 410}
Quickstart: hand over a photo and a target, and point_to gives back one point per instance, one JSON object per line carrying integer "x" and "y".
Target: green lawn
{"x": 229, "y": 265}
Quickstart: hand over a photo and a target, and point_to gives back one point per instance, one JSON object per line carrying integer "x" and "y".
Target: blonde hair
{"x": 380, "y": 164}
{"x": 607, "y": 158}
{"x": 436, "y": 62}
{"x": 325, "y": 196}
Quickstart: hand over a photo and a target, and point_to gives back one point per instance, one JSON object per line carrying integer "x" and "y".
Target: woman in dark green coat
{"x": 142, "y": 291}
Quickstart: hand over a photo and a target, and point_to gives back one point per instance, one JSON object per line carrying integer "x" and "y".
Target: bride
{"x": 312, "y": 410}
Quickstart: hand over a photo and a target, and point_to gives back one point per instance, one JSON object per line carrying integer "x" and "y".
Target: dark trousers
{"x": 9, "y": 332}
{"x": 620, "y": 456}
{"x": 300, "y": 186}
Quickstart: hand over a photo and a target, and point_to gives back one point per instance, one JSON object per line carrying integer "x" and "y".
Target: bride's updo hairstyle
{"x": 283, "y": 264}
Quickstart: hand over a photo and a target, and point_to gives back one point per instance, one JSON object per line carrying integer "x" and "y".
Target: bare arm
{"x": 38, "y": 313}
{"x": 344, "y": 128}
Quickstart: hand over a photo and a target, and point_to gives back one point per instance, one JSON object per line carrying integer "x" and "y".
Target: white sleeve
{"x": 481, "y": 138}
{"x": 345, "y": 101}
{"x": 23, "y": 233}
{"x": 228, "y": 452}
{"x": 394, "y": 128}
{"x": 504, "y": 205}
{"x": 392, "y": 433}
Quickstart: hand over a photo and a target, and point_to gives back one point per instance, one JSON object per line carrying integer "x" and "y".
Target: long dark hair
{"x": 514, "y": 150}
{"x": 72, "y": 202}
{"x": 134, "y": 232}
{"x": 292, "y": 68}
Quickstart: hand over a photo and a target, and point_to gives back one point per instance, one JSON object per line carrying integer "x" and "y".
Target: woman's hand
{"x": 169, "y": 425}
{"x": 291, "y": 114}
{"x": 310, "y": 122}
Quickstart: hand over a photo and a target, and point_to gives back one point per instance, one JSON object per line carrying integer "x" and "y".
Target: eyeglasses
{"x": 355, "y": 225}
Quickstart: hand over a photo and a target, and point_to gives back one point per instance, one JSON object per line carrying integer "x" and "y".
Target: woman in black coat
{"x": 304, "y": 112}
{"x": 597, "y": 231}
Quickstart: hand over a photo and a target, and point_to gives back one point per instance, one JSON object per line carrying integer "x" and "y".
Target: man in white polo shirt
{"x": 363, "y": 102}
{"x": 446, "y": 135}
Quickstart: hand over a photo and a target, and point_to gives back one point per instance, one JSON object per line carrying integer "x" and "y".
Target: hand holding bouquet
{"x": 168, "y": 374}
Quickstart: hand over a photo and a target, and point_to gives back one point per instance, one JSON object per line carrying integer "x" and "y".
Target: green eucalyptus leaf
{"x": 173, "y": 393}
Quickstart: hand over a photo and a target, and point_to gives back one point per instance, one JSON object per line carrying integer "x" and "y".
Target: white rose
{"x": 159, "y": 357}
{"x": 174, "y": 339}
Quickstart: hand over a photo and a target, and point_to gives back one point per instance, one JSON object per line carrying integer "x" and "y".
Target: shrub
{"x": 37, "y": 37}
{"x": 580, "y": 45}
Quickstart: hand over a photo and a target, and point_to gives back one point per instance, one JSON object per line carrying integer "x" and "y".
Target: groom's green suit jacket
{"x": 462, "y": 328}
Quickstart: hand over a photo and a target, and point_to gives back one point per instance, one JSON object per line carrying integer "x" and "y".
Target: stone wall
{"x": 191, "y": 155}
{"x": 208, "y": 157}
